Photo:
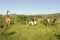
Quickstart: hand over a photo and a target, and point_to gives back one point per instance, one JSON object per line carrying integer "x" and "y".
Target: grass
{"x": 27, "y": 32}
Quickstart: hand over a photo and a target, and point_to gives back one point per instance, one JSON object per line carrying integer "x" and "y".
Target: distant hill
{"x": 51, "y": 15}
{"x": 43, "y": 15}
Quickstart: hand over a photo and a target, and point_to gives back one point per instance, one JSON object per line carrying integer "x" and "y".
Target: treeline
{"x": 25, "y": 18}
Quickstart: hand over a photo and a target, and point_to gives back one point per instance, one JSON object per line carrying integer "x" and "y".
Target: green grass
{"x": 27, "y": 32}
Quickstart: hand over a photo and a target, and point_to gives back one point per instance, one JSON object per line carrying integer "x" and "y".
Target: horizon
{"x": 30, "y": 14}
{"x": 30, "y": 7}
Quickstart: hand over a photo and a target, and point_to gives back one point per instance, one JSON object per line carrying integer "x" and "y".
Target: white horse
{"x": 32, "y": 22}
{"x": 48, "y": 20}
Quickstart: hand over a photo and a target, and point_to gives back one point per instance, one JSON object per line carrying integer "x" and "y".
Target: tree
{"x": 22, "y": 19}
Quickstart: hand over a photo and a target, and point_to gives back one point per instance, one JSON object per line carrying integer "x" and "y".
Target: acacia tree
{"x": 22, "y": 19}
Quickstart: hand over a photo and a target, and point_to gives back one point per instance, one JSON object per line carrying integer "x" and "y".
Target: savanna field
{"x": 18, "y": 30}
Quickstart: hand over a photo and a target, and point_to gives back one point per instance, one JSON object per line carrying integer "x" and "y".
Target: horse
{"x": 47, "y": 21}
{"x": 53, "y": 21}
{"x": 32, "y": 23}
{"x": 7, "y": 19}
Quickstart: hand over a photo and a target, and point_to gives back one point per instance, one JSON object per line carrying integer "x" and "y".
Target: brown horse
{"x": 7, "y": 19}
{"x": 53, "y": 21}
{"x": 47, "y": 21}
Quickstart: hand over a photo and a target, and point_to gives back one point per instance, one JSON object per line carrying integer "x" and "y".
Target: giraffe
{"x": 7, "y": 18}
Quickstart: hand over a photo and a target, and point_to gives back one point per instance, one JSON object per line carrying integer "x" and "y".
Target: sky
{"x": 28, "y": 7}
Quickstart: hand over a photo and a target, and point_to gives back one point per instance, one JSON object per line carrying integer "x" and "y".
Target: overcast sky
{"x": 29, "y": 6}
